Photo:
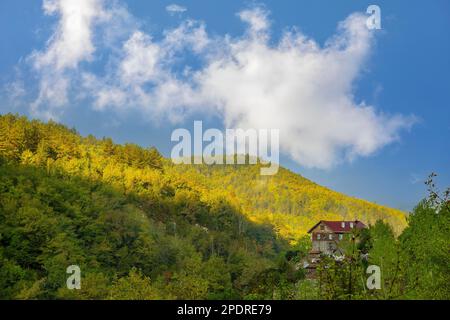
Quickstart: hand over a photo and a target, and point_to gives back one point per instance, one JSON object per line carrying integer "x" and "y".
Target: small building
{"x": 325, "y": 238}
{"x": 326, "y": 235}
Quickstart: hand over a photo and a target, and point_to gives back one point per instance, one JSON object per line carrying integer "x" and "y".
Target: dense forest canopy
{"x": 140, "y": 227}
{"x": 286, "y": 200}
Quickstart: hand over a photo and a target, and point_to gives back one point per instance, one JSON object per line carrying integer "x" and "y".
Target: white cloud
{"x": 189, "y": 35}
{"x": 295, "y": 85}
{"x": 70, "y": 44}
{"x": 72, "y": 40}
{"x": 256, "y": 19}
{"x": 141, "y": 58}
{"x": 175, "y": 8}
{"x": 142, "y": 76}
{"x": 301, "y": 89}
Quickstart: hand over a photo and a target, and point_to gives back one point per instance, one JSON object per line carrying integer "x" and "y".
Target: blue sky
{"x": 391, "y": 87}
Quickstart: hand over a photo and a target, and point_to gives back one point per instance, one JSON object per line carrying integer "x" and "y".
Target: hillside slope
{"x": 141, "y": 227}
{"x": 287, "y": 200}
{"x": 135, "y": 231}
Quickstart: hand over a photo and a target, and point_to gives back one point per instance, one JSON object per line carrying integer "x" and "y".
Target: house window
{"x": 340, "y": 237}
{"x": 343, "y": 225}
{"x": 330, "y": 236}
{"x": 318, "y": 237}
{"x": 322, "y": 227}
{"x": 351, "y": 224}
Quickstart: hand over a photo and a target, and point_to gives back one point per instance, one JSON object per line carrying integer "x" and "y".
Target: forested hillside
{"x": 141, "y": 227}
{"x": 288, "y": 201}
{"x": 115, "y": 212}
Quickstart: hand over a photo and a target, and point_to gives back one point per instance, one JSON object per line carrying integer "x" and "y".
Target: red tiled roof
{"x": 336, "y": 226}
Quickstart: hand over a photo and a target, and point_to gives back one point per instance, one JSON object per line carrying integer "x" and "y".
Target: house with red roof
{"x": 325, "y": 238}
{"x": 326, "y": 235}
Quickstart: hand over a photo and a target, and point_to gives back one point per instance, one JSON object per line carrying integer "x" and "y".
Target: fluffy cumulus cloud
{"x": 295, "y": 85}
{"x": 72, "y": 43}
{"x": 142, "y": 75}
{"x": 302, "y": 89}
